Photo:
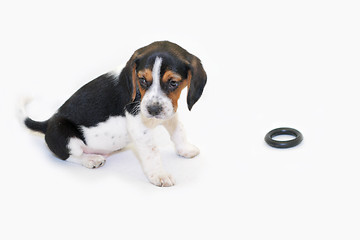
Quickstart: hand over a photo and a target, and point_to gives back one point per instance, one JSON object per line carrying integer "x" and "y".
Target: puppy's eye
{"x": 143, "y": 82}
{"x": 173, "y": 84}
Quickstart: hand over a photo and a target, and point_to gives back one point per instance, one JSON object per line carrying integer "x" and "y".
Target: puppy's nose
{"x": 154, "y": 109}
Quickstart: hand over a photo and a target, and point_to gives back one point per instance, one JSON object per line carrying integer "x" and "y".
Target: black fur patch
{"x": 134, "y": 107}
{"x": 57, "y": 136}
{"x": 96, "y": 101}
{"x": 36, "y": 126}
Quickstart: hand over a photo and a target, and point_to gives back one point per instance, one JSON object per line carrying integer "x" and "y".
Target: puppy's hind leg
{"x": 64, "y": 139}
{"x": 77, "y": 155}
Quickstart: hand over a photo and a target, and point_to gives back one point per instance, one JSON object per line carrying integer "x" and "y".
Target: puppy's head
{"x": 160, "y": 71}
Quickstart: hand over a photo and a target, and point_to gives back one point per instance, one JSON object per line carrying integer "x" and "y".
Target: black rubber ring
{"x": 284, "y": 144}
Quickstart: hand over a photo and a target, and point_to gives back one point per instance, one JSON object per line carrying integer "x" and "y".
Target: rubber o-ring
{"x": 284, "y": 144}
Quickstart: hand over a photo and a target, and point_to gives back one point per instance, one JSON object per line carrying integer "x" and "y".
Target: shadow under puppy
{"x": 126, "y": 105}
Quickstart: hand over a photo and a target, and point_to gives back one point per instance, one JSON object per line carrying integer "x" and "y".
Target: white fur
{"x": 108, "y": 136}
{"x": 155, "y": 88}
{"x": 155, "y": 95}
{"x": 76, "y": 147}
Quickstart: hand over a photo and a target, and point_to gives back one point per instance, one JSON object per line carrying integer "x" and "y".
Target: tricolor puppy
{"x": 122, "y": 106}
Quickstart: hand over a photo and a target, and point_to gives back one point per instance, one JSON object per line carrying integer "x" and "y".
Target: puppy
{"x": 122, "y": 106}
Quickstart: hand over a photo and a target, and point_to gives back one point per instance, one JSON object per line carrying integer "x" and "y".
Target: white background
{"x": 269, "y": 64}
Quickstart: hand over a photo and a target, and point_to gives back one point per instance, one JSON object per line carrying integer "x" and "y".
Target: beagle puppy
{"x": 126, "y": 105}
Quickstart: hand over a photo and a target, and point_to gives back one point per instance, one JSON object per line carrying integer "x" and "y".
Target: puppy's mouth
{"x": 159, "y": 116}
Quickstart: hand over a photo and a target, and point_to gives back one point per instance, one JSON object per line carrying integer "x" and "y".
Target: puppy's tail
{"x": 29, "y": 123}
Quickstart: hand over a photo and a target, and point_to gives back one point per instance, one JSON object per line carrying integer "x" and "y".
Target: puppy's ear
{"x": 197, "y": 77}
{"x": 128, "y": 75}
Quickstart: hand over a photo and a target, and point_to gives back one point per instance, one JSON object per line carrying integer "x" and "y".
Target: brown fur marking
{"x": 147, "y": 74}
{"x": 174, "y": 95}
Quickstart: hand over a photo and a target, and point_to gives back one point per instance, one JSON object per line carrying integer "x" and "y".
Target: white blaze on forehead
{"x": 156, "y": 74}
{"x": 154, "y": 95}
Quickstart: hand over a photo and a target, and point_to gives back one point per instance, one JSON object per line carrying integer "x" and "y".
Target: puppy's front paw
{"x": 188, "y": 151}
{"x": 93, "y": 161}
{"x": 161, "y": 179}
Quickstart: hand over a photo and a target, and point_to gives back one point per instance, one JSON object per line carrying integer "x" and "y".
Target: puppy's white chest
{"x": 107, "y": 136}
